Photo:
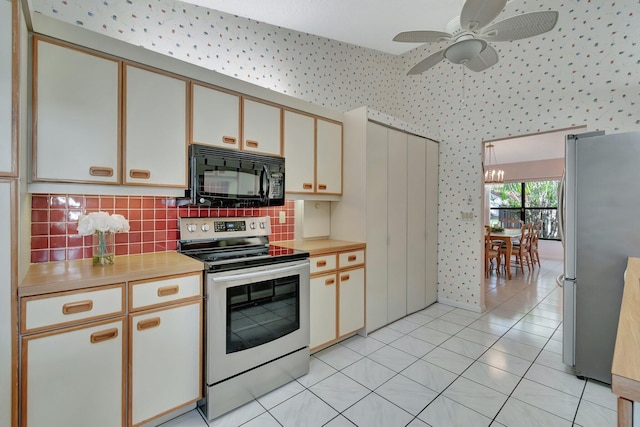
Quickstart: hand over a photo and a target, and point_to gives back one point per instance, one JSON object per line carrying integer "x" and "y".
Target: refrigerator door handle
{"x": 561, "y": 212}
{"x": 569, "y": 323}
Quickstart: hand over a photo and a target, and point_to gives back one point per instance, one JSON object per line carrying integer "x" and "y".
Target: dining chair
{"x": 492, "y": 251}
{"x": 521, "y": 251}
{"x": 533, "y": 249}
{"x": 511, "y": 223}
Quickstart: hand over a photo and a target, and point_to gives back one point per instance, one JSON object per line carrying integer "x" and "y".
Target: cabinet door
{"x": 261, "y": 127}
{"x": 155, "y": 129}
{"x": 8, "y": 153}
{"x": 432, "y": 221}
{"x": 351, "y": 300}
{"x": 165, "y": 359}
{"x": 299, "y": 152}
{"x": 323, "y": 309}
{"x": 416, "y": 224}
{"x": 76, "y": 115}
{"x": 215, "y": 117}
{"x": 376, "y": 217}
{"x": 8, "y": 264}
{"x": 74, "y": 376}
{"x": 329, "y": 157}
{"x": 397, "y": 225}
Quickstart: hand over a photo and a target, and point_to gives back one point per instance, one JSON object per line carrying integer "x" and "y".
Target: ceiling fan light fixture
{"x": 464, "y": 50}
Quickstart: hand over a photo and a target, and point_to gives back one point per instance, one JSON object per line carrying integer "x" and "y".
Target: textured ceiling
{"x": 366, "y": 23}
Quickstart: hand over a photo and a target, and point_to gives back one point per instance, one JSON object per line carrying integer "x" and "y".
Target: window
{"x": 529, "y": 201}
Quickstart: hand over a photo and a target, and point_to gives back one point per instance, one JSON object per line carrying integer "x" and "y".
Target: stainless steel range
{"x": 256, "y": 309}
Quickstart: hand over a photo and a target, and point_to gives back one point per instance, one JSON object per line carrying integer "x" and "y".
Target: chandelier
{"x": 492, "y": 175}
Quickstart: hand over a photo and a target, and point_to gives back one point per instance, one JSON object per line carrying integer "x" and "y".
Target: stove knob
{"x": 205, "y": 227}
{"x": 191, "y": 228}
{"x": 252, "y": 225}
{"x": 262, "y": 224}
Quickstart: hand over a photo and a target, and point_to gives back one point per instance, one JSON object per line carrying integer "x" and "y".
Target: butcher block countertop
{"x": 321, "y": 246}
{"x": 625, "y": 370}
{"x": 48, "y": 277}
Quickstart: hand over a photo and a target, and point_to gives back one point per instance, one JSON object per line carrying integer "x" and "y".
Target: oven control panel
{"x": 224, "y": 226}
{"x": 206, "y": 228}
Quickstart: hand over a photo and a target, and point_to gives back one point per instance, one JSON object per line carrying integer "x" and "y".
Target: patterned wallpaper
{"x": 584, "y": 72}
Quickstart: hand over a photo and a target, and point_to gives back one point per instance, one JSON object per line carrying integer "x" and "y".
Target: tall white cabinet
{"x": 8, "y": 209}
{"x": 391, "y": 186}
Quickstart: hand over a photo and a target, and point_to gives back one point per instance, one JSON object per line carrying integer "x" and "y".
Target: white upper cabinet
{"x": 7, "y": 154}
{"x": 261, "y": 127}
{"x": 75, "y": 115}
{"x": 299, "y": 152}
{"x": 215, "y": 117}
{"x": 329, "y": 157}
{"x": 155, "y": 128}
{"x": 313, "y": 150}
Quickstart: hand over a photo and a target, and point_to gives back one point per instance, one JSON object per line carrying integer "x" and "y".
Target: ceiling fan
{"x": 470, "y": 34}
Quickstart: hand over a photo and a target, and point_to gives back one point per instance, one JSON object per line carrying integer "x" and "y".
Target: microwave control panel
{"x": 276, "y": 186}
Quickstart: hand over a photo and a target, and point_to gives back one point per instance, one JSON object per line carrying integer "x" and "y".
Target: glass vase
{"x": 103, "y": 248}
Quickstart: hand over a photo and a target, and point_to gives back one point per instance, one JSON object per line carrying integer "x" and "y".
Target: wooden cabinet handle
{"x": 307, "y": 186}
{"x": 329, "y": 281}
{"x": 154, "y": 322}
{"x": 109, "y": 334}
{"x": 251, "y": 143}
{"x": 344, "y": 278}
{"x": 229, "y": 139}
{"x": 351, "y": 258}
{"x": 165, "y": 291}
{"x": 77, "y": 307}
{"x": 140, "y": 174}
{"x": 100, "y": 171}
{"x": 321, "y": 263}
{"x": 322, "y": 186}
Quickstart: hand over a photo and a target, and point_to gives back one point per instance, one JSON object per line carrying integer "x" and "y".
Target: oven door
{"x": 255, "y": 315}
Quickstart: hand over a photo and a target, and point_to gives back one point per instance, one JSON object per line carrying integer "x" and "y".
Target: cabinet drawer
{"x": 154, "y": 292}
{"x": 323, "y": 263}
{"x": 61, "y": 308}
{"x": 349, "y": 259}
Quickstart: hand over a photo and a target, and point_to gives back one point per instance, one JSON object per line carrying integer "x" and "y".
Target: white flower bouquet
{"x": 102, "y": 226}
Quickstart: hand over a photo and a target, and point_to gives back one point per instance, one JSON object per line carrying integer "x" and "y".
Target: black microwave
{"x": 220, "y": 177}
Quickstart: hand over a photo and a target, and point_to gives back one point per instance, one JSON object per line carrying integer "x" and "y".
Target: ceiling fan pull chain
{"x": 464, "y": 94}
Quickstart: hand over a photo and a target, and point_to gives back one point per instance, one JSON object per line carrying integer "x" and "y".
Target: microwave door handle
{"x": 265, "y": 171}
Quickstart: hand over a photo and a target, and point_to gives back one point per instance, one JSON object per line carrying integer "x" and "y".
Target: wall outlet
{"x": 466, "y": 216}
{"x": 282, "y": 217}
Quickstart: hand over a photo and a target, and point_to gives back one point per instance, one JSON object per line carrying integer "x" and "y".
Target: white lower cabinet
{"x": 90, "y": 359}
{"x": 165, "y": 357}
{"x": 74, "y": 376}
{"x": 323, "y": 309}
{"x": 337, "y": 297}
{"x": 351, "y": 301}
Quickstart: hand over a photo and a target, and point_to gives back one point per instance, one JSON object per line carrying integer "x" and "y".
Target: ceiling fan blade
{"x": 478, "y": 13}
{"x": 421, "y": 36}
{"x": 484, "y": 60}
{"x": 426, "y": 63}
{"x": 521, "y": 26}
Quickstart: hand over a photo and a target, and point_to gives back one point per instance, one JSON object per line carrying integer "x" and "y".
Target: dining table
{"x": 508, "y": 236}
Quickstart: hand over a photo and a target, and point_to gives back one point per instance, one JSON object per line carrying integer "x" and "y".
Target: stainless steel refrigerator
{"x": 601, "y": 225}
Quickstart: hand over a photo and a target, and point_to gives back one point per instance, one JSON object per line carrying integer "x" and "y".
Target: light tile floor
{"x": 443, "y": 366}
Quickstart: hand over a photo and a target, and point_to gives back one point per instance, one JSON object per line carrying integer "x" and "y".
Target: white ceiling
{"x": 542, "y": 146}
{"x": 373, "y": 24}
{"x": 366, "y": 23}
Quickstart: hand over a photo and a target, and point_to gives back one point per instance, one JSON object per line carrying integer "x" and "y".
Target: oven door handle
{"x": 262, "y": 273}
